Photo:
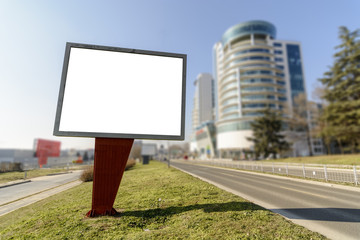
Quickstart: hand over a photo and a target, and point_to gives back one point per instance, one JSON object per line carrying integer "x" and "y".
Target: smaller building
{"x": 205, "y": 140}
{"x": 15, "y": 155}
{"x": 148, "y": 151}
{"x": 24, "y": 157}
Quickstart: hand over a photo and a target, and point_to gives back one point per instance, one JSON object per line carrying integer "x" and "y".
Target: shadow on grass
{"x": 207, "y": 208}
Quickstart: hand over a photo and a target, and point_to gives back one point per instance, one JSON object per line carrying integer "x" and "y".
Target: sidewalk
{"x": 14, "y": 195}
{"x": 12, "y": 206}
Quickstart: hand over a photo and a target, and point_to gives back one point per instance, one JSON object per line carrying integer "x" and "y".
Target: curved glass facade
{"x": 248, "y": 72}
{"x": 248, "y": 28}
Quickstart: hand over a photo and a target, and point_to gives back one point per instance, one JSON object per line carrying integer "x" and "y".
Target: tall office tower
{"x": 203, "y": 100}
{"x": 253, "y": 71}
{"x": 203, "y": 115}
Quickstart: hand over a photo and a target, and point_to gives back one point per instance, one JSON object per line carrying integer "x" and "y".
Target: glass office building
{"x": 253, "y": 71}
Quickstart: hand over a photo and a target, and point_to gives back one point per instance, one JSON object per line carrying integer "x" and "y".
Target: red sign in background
{"x": 46, "y": 148}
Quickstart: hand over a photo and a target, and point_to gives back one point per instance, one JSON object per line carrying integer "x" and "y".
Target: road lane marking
{"x": 227, "y": 174}
{"x": 304, "y": 192}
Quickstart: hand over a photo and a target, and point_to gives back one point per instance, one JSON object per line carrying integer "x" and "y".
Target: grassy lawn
{"x": 154, "y": 203}
{"x": 12, "y": 176}
{"x": 346, "y": 159}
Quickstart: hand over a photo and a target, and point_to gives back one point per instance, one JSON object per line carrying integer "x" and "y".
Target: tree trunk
{"x": 309, "y": 142}
{"x": 353, "y": 146}
{"x": 340, "y": 146}
{"x": 328, "y": 148}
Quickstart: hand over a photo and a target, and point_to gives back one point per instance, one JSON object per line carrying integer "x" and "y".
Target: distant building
{"x": 16, "y": 155}
{"x": 204, "y": 101}
{"x": 253, "y": 71}
{"x": 23, "y": 156}
{"x": 203, "y": 138}
{"x": 46, "y": 148}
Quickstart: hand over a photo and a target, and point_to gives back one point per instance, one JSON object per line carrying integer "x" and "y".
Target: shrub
{"x": 130, "y": 163}
{"x": 87, "y": 175}
{"x": 11, "y": 167}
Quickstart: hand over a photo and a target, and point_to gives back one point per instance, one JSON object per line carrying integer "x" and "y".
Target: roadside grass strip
{"x": 340, "y": 159}
{"x": 155, "y": 202}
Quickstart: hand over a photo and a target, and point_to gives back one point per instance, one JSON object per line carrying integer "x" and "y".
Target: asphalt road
{"x": 333, "y": 211}
{"x": 17, "y": 196}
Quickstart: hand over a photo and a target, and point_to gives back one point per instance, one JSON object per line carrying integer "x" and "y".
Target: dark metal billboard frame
{"x": 70, "y": 45}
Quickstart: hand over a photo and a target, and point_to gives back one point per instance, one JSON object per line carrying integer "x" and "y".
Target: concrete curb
{"x": 53, "y": 174}
{"x": 9, "y": 184}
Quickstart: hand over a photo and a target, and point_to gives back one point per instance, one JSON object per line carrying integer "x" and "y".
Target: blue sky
{"x": 34, "y": 33}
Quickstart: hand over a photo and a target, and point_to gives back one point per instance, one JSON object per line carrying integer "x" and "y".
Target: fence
{"x": 335, "y": 173}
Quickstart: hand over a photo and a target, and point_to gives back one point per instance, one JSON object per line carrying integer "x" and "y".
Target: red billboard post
{"x": 46, "y": 148}
{"x": 111, "y": 155}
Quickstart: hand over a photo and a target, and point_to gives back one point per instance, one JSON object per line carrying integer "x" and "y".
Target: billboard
{"x": 46, "y": 148}
{"x": 121, "y": 93}
{"x": 148, "y": 150}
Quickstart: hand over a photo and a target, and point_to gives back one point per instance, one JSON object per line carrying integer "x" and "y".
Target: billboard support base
{"x": 111, "y": 155}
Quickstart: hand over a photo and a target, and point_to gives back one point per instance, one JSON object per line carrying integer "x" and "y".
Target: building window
{"x": 258, "y": 80}
{"x": 277, "y": 44}
{"x": 278, "y": 52}
{"x": 258, "y": 89}
{"x": 234, "y": 115}
{"x": 261, "y": 50}
{"x": 231, "y": 92}
{"x": 279, "y": 60}
{"x": 280, "y": 67}
{"x": 230, "y": 109}
{"x": 318, "y": 150}
{"x": 257, "y": 72}
{"x": 253, "y": 114}
{"x": 247, "y": 59}
{"x": 256, "y": 97}
{"x": 231, "y": 77}
{"x": 230, "y": 101}
{"x": 258, "y": 105}
{"x": 281, "y": 83}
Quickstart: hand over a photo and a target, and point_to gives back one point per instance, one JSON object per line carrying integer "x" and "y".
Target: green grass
{"x": 345, "y": 159}
{"x": 13, "y": 176}
{"x": 154, "y": 203}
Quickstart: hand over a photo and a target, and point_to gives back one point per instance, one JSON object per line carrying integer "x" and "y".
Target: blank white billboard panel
{"x": 126, "y": 93}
